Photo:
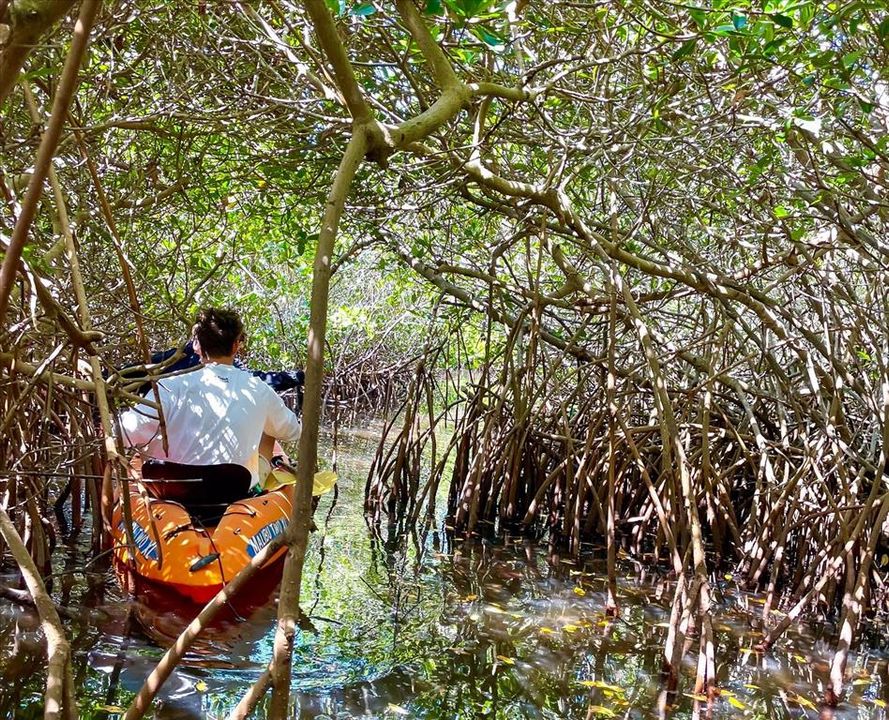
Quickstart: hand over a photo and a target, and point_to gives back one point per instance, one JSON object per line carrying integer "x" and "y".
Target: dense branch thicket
{"x": 654, "y": 233}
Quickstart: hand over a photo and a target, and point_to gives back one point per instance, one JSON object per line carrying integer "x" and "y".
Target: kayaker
{"x": 217, "y": 414}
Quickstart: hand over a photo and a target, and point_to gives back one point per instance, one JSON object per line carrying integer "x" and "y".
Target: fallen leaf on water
{"x": 734, "y": 702}
{"x": 729, "y": 576}
{"x": 579, "y": 591}
{"x": 397, "y": 709}
{"x": 200, "y": 686}
{"x": 546, "y": 630}
{"x": 804, "y": 702}
{"x": 599, "y": 710}
{"x": 506, "y": 660}
{"x": 570, "y": 628}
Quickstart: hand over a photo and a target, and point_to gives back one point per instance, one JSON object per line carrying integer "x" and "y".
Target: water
{"x": 427, "y": 630}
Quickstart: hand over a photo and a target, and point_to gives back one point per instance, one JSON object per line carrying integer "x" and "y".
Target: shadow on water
{"x": 422, "y": 629}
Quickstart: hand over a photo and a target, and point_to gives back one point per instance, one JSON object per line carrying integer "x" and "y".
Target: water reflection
{"x": 425, "y": 628}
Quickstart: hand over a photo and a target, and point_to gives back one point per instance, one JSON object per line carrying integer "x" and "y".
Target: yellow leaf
{"x": 599, "y": 710}
{"x": 800, "y": 700}
{"x": 111, "y": 708}
{"x": 570, "y": 628}
{"x": 734, "y": 702}
{"x": 323, "y": 482}
{"x": 880, "y": 703}
{"x": 861, "y": 681}
{"x": 601, "y": 685}
{"x": 751, "y": 686}
{"x": 546, "y": 630}
{"x": 496, "y": 610}
{"x": 696, "y": 696}
{"x": 579, "y": 591}
{"x": 729, "y": 576}
{"x": 200, "y": 686}
{"x": 506, "y": 660}
{"x": 470, "y": 598}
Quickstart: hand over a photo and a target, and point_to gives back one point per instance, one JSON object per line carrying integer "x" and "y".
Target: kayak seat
{"x": 204, "y": 490}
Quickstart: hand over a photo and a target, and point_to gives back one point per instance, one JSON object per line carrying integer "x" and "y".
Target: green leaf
{"x": 685, "y": 49}
{"x": 433, "y": 7}
{"x": 456, "y": 7}
{"x": 883, "y": 28}
{"x": 739, "y": 21}
{"x": 780, "y": 211}
{"x": 494, "y": 41}
{"x": 865, "y": 105}
{"x": 782, "y": 20}
{"x": 699, "y": 16}
{"x": 849, "y": 59}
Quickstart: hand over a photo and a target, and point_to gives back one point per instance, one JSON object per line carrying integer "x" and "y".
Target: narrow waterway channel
{"x": 427, "y": 629}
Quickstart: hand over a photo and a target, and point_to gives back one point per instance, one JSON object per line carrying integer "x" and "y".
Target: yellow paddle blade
{"x": 323, "y": 481}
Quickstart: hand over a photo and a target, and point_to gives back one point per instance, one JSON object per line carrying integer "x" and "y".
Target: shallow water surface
{"x": 429, "y": 630}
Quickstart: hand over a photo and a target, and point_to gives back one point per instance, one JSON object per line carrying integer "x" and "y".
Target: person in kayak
{"x": 217, "y": 414}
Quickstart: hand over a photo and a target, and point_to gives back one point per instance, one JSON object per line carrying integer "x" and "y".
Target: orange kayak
{"x": 178, "y": 552}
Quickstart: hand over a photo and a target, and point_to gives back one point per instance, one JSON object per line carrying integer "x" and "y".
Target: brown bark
{"x": 26, "y": 23}
{"x": 48, "y": 144}
{"x": 59, "y": 697}
{"x": 288, "y": 606}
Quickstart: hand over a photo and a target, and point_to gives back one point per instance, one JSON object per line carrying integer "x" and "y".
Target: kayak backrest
{"x": 205, "y": 490}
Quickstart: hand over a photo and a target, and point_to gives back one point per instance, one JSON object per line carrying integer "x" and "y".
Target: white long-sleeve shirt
{"x": 214, "y": 415}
